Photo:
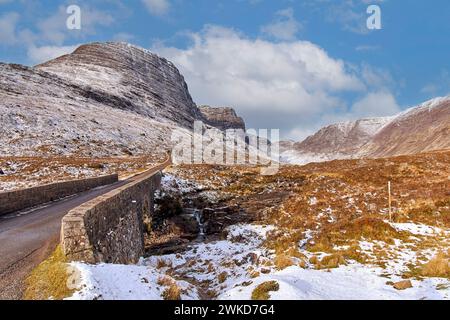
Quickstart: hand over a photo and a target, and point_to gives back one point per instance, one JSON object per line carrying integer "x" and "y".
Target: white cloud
{"x": 375, "y": 104}
{"x": 287, "y": 85}
{"x": 157, "y": 7}
{"x": 123, "y": 37}
{"x": 440, "y": 85}
{"x": 285, "y": 26}
{"x": 42, "y": 54}
{"x": 351, "y": 15}
{"x": 8, "y": 24}
{"x": 53, "y": 28}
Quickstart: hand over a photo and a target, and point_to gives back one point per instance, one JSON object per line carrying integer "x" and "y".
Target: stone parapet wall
{"x": 13, "y": 201}
{"x": 110, "y": 228}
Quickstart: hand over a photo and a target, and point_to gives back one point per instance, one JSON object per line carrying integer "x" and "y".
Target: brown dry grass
{"x": 49, "y": 280}
{"x": 222, "y": 277}
{"x": 172, "y": 290}
{"x": 283, "y": 261}
{"x": 331, "y": 262}
{"x": 343, "y": 202}
{"x": 262, "y": 292}
{"x": 438, "y": 267}
{"x": 161, "y": 263}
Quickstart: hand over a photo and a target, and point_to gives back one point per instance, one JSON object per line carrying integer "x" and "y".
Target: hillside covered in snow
{"x": 418, "y": 129}
{"x": 104, "y": 99}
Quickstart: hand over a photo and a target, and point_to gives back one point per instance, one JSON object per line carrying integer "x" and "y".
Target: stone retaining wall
{"x": 13, "y": 201}
{"x": 110, "y": 228}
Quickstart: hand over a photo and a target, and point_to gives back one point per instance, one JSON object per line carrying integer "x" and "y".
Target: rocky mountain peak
{"x": 222, "y": 118}
{"x": 104, "y": 99}
{"x": 128, "y": 77}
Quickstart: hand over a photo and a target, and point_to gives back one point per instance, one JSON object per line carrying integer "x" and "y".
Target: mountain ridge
{"x": 422, "y": 128}
{"x": 104, "y": 99}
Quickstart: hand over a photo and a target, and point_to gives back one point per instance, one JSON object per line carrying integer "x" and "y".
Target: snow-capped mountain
{"x": 418, "y": 129}
{"x": 104, "y": 99}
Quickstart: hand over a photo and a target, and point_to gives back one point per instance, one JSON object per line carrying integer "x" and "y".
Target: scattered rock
{"x": 187, "y": 224}
{"x": 403, "y": 285}
{"x": 265, "y": 271}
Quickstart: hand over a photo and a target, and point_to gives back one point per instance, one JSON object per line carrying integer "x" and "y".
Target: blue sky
{"x": 289, "y": 64}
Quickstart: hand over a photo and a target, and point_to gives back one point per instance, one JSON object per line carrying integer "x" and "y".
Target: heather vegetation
{"x": 330, "y": 214}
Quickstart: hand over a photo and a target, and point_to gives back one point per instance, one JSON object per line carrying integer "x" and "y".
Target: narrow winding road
{"x": 29, "y": 237}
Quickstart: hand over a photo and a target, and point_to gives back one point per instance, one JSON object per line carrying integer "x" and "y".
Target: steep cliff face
{"x": 129, "y": 78}
{"x": 222, "y": 118}
{"x": 42, "y": 114}
{"x": 104, "y": 99}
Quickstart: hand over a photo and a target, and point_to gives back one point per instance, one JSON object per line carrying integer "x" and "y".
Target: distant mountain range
{"x": 115, "y": 99}
{"x": 419, "y": 129}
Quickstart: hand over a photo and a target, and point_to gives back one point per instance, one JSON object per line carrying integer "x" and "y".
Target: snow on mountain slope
{"x": 344, "y": 137}
{"x": 140, "y": 80}
{"x": 104, "y": 99}
{"x": 419, "y": 129}
{"x": 40, "y": 114}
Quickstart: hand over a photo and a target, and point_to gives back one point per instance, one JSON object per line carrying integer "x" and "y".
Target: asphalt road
{"x": 29, "y": 237}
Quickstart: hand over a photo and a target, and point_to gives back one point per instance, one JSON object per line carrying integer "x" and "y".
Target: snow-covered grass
{"x": 120, "y": 282}
{"x": 353, "y": 282}
{"x": 233, "y": 268}
{"x": 418, "y": 229}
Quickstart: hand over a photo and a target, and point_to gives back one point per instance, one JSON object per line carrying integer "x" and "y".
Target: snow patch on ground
{"x": 417, "y": 229}
{"x": 120, "y": 282}
{"x": 199, "y": 268}
{"x": 353, "y": 282}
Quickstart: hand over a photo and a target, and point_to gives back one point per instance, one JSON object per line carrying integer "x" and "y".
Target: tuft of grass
{"x": 369, "y": 228}
{"x": 314, "y": 260}
{"x": 302, "y": 264}
{"x": 50, "y": 279}
{"x": 262, "y": 291}
{"x": 438, "y": 267}
{"x": 161, "y": 263}
{"x": 222, "y": 277}
{"x": 283, "y": 261}
{"x": 172, "y": 291}
{"x": 332, "y": 261}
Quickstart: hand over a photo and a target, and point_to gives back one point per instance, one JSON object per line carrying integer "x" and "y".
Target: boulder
{"x": 403, "y": 285}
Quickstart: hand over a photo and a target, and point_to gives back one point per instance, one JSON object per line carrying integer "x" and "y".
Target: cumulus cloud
{"x": 285, "y": 26}
{"x": 53, "y": 28}
{"x": 8, "y": 23}
{"x": 440, "y": 86}
{"x": 45, "y": 53}
{"x": 351, "y": 15}
{"x": 157, "y": 7}
{"x": 296, "y": 85}
{"x": 376, "y": 104}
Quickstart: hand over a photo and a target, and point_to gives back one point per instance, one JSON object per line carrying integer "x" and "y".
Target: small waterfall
{"x": 198, "y": 216}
